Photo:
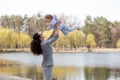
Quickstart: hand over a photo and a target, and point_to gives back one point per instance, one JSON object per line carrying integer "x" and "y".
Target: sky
{"x": 110, "y": 9}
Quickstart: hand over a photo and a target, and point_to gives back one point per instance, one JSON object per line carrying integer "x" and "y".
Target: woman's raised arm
{"x": 54, "y": 36}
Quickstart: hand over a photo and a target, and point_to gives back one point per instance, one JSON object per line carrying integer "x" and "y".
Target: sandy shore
{"x": 56, "y": 50}
{"x": 87, "y": 50}
{"x": 105, "y": 50}
{"x": 6, "y": 77}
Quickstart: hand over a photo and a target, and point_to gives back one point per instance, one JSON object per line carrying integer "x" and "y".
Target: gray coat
{"x": 48, "y": 51}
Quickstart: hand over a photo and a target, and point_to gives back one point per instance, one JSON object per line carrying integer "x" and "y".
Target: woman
{"x": 41, "y": 46}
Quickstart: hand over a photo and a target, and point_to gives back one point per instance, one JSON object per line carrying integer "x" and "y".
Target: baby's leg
{"x": 64, "y": 32}
{"x": 69, "y": 29}
{"x": 66, "y": 29}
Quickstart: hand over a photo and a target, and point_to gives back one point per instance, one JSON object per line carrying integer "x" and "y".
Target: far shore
{"x": 62, "y": 50}
{"x": 10, "y": 77}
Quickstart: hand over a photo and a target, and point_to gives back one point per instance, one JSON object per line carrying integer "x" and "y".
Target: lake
{"x": 67, "y": 66}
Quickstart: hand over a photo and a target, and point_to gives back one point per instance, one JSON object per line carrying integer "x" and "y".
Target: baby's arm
{"x": 48, "y": 26}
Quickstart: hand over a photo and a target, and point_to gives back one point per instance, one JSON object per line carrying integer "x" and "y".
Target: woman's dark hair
{"x": 35, "y": 44}
{"x": 49, "y": 16}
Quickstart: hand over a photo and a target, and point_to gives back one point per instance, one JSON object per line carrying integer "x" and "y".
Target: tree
{"x": 3, "y": 38}
{"x": 16, "y": 22}
{"x": 103, "y": 34}
{"x": 88, "y": 25}
{"x": 90, "y": 41}
{"x": 115, "y": 30}
{"x": 116, "y": 23}
{"x": 5, "y": 21}
{"x": 118, "y": 43}
{"x": 24, "y": 40}
{"x": 81, "y": 39}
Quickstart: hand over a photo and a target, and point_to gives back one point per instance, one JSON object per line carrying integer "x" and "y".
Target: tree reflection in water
{"x": 63, "y": 72}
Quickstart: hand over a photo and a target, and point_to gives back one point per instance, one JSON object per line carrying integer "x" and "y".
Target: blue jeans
{"x": 47, "y": 72}
{"x": 66, "y": 29}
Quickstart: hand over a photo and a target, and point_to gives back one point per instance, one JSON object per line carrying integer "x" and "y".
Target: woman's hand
{"x": 47, "y": 24}
{"x": 56, "y": 31}
{"x": 58, "y": 24}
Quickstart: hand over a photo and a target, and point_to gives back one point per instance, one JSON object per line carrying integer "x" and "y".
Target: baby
{"x": 51, "y": 21}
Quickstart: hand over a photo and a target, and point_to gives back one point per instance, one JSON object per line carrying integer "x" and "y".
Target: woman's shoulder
{"x": 42, "y": 43}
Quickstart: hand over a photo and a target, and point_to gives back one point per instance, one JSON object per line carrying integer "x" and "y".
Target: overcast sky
{"x": 109, "y": 9}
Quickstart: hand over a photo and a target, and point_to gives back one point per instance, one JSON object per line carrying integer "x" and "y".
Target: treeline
{"x": 23, "y": 23}
{"x": 96, "y": 32}
{"x": 75, "y": 39}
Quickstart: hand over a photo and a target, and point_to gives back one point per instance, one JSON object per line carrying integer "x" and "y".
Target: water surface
{"x": 68, "y": 66}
